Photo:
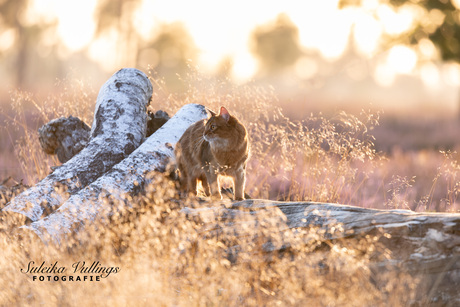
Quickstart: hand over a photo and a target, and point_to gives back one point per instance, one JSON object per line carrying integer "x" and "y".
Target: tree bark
{"x": 425, "y": 245}
{"x": 412, "y": 229}
{"x": 118, "y": 128}
{"x": 127, "y": 177}
{"x": 64, "y": 137}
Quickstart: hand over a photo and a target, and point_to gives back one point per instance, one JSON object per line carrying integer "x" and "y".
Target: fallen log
{"x": 127, "y": 177}
{"x": 155, "y": 121}
{"x": 64, "y": 137}
{"x": 118, "y": 128}
{"x": 67, "y": 136}
{"x": 425, "y": 245}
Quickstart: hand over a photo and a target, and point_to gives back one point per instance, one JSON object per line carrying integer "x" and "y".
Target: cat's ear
{"x": 211, "y": 112}
{"x": 224, "y": 113}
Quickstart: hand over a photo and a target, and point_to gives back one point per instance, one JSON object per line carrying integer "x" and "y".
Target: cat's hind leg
{"x": 183, "y": 183}
{"x": 187, "y": 183}
{"x": 239, "y": 181}
{"x": 191, "y": 184}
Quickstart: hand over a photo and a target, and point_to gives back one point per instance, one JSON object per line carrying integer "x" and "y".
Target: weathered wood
{"x": 438, "y": 232}
{"x": 127, "y": 177}
{"x": 426, "y": 245}
{"x": 118, "y": 129}
{"x": 67, "y": 136}
{"x": 355, "y": 221}
{"x": 155, "y": 121}
{"x": 64, "y": 137}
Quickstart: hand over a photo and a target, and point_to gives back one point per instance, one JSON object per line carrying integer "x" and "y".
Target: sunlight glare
{"x": 103, "y": 50}
{"x": 456, "y": 3}
{"x": 209, "y": 61}
{"x": 427, "y": 49}
{"x": 221, "y": 34}
{"x": 367, "y": 33}
{"x": 224, "y": 30}
{"x": 7, "y": 39}
{"x": 244, "y": 66}
{"x": 213, "y": 26}
{"x": 306, "y": 68}
{"x": 75, "y": 20}
{"x": 76, "y": 24}
{"x": 144, "y": 23}
{"x": 430, "y": 75}
{"x": 402, "y": 59}
{"x": 370, "y": 5}
{"x": 316, "y": 31}
{"x": 451, "y": 74}
{"x": 384, "y": 75}
{"x": 41, "y": 11}
{"x": 396, "y": 22}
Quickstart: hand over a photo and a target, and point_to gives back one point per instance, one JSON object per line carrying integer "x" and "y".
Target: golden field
{"x": 359, "y": 158}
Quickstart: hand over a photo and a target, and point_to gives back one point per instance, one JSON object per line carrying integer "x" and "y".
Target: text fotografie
{"x": 55, "y": 272}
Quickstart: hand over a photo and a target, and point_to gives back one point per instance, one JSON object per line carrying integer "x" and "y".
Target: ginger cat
{"x": 213, "y": 147}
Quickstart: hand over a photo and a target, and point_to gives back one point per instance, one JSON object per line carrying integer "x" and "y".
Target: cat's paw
{"x": 215, "y": 197}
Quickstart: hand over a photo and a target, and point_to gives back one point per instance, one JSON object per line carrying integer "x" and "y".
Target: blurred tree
{"x": 224, "y": 68}
{"x": 276, "y": 45}
{"x": 441, "y": 25}
{"x": 118, "y": 15}
{"x": 12, "y": 16}
{"x": 445, "y": 34}
{"x": 169, "y": 54}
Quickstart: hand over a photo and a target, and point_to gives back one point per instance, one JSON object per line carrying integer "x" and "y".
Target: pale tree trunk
{"x": 126, "y": 178}
{"x": 118, "y": 129}
{"x": 64, "y": 137}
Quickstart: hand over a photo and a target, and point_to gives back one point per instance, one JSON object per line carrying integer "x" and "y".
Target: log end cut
{"x": 64, "y": 136}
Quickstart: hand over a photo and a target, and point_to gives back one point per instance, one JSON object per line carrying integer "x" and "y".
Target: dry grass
{"x": 26, "y": 113}
{"x": 168, "y": 258}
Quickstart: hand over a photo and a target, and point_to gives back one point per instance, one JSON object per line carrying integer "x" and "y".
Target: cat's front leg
{"x": 206, "y": 186}
{"x": 212, "y": 178}
{"x": 239, "y": 180}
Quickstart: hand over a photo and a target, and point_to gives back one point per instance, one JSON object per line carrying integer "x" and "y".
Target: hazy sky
{"x": 222, "y": 29}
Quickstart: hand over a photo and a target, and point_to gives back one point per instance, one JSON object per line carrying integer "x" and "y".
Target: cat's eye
{"x": 213, "y": 127}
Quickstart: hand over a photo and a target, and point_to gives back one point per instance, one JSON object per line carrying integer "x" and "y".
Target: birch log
{"x": 127, "y": 177}
{"x": 118, "y": 129}
{"x": 64, "y": 137}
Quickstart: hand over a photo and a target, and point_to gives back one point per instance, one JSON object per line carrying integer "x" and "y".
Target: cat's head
{"x": 220, "y": 128}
